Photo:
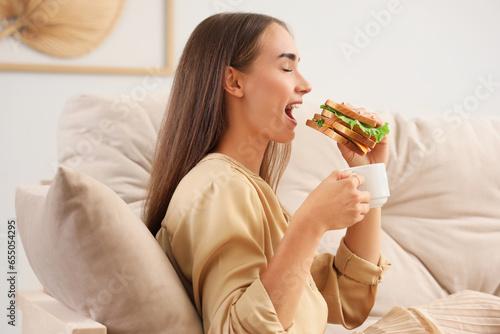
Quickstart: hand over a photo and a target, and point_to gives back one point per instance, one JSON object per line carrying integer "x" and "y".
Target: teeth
{"x": 291, "y": 106}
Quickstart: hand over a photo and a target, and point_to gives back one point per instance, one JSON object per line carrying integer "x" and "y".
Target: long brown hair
{"x": 196, "y": 115}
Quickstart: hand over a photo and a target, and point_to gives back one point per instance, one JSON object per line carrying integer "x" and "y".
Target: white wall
{"x": 417, "y": 57}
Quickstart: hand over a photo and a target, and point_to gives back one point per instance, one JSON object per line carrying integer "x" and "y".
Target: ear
{"x": 232, "y": 80}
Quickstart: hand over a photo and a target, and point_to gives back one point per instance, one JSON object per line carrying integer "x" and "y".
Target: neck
{"x": 244, "y": 148}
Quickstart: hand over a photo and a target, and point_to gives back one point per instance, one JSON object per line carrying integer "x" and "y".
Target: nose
{"x": 303, "y": 85}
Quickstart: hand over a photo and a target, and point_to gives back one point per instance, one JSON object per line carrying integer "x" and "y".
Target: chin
{"x": 285, "y": 138}
{"x": 281, "y": 130}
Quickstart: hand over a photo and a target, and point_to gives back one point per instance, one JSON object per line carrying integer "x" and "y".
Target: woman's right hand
{"x": 335, "y": 203}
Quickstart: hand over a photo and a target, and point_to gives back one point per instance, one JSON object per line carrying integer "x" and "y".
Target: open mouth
{"x": 289, "y": 109}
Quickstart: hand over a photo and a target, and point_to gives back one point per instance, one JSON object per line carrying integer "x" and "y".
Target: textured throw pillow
{"x": 92, "y": 253}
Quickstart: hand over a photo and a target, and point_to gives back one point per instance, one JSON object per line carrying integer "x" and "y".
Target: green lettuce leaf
{"x": 378, "y": 133}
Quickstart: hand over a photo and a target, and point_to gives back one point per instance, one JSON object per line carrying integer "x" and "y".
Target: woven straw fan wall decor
{"x": 62, "y": 29}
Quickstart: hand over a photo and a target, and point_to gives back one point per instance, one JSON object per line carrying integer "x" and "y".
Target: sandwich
{"x": 348, "y": 127}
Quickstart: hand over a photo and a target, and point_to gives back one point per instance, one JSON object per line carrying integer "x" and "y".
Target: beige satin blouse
{"x": 220, "y": 231}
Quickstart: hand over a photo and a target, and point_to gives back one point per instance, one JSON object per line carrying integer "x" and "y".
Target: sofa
{"x": 101, "y": 271}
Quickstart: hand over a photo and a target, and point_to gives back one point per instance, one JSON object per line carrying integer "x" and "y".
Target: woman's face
{"x": 273, "y": 87}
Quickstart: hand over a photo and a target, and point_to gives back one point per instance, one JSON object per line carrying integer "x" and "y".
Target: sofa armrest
{"x": 43, "y": 314}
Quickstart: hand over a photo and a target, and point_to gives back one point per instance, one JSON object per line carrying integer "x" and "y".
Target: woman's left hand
{"x": 379, "y": 154}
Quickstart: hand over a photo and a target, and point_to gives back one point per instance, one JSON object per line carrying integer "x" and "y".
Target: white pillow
{"x": 92, "y": 253}
{"x": 444, "y": 207}
{"x": 112, "y": 138}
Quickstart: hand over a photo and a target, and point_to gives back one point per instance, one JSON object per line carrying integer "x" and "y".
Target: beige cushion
{"x": 91, "y": 252}
{"x": 444, "y": 198}
{"x": 442, "y": 222}
{"x": 112, "y": 138}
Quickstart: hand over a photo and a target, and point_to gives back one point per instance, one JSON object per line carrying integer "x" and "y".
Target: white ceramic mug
{"x": 375, "y": 182}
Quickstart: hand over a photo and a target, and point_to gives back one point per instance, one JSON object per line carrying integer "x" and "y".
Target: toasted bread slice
{"x": 356, "y": 148}
{"x": 351, "y": 113}
{"x": 346, "y": 131}
{"x": 357, "y": 129}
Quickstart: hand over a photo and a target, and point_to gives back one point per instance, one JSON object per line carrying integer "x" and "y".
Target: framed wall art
{"x": 81, "y": 36}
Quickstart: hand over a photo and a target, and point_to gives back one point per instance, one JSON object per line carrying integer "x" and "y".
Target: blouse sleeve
{"x": 219, "y": 245}
{"x": 349, "y": 285}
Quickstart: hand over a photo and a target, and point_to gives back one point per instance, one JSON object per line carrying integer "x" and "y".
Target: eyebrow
{"x": 288, "y": 55}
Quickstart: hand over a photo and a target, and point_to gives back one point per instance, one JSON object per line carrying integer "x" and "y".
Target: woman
{"x": 231, "y": 106}
{"x": 247, "y": 265}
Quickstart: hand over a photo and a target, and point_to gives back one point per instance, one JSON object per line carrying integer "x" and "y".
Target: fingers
{"x": 375, "y": 116}
{"x": 353, "y": 181}
{"x": 362, "y": 205}
{"x": 363, "y": 210}
{"x": 358, "y": 212}
{"x": 347, "y": 154}
{"x": 337, "y": 202}
{"x": 360, "y": 178}
{"x": 359, "y": 207}
{"x": 353, "y": 107}
{"x": 338, "y": 175}
{"x": 367, "y": 113}
{"x": 363, "y": 198}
